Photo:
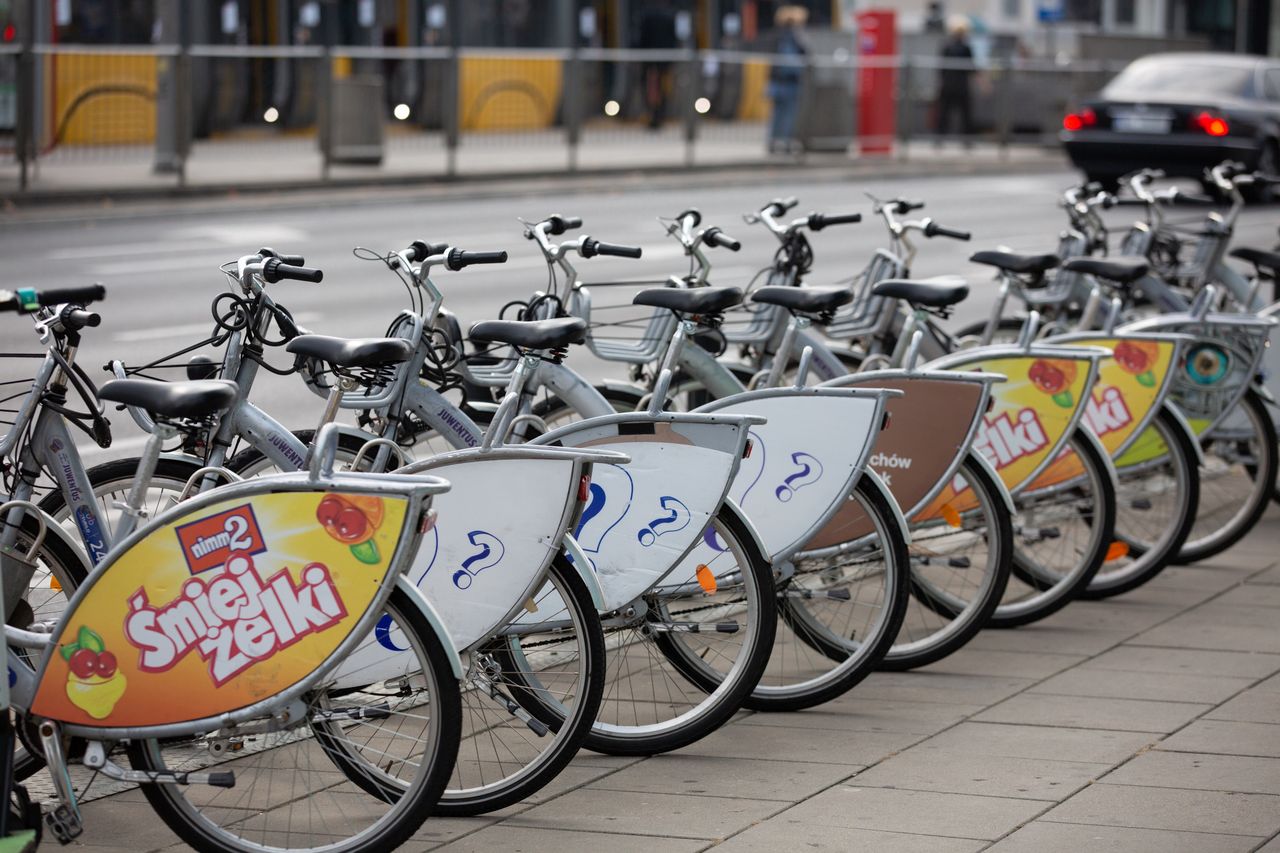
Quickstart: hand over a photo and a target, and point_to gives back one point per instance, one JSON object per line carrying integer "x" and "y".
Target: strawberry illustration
{"x": 352, "y": 520}
{"x": 1054, "y": 377}
{"x": 94, "y": 683}
{"x": 1136, "y": 358}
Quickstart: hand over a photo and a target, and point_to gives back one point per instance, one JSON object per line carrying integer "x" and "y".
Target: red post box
{"x": 877, "y": 80}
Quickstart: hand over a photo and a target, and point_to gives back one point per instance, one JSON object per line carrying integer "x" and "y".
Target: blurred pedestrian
{"x": 657, "y": 32}
{"x": 954, "y": 97}
{"x": 786, "y": 76}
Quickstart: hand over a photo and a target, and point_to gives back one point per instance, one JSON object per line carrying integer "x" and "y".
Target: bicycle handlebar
{"x": 692, "y": 213}
{"x": 933, "y": 229}
{"x": 459, "y": 258}
{"x": 274, "y": 270}
{"x": 592, "y": 247}
{"x": 78, "y": 318}
{"x": 902, "y": 206}
{"x": 818, "y": 221}
{"x": 420, "y": 250}
{"x": 779, "y": 206}
{"x": 27, "y": 300}
{"x": 292, "y": 260}
{"x": 716, "y": 237}
{"x": 560, "y": 224}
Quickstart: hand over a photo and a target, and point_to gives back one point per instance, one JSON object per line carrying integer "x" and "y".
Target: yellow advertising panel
{"x": 1128, "y": 387}
{"x": 222, "y": 608}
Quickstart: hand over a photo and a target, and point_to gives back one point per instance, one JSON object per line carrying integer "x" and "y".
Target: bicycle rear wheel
{"x": 839, "y": 614}
{"x": 1235, "y": 482}
{"x": 1062, "y": 535}
{"x": 293, "y": 789}
{"x": 959, "y": 570}
{"x": 683, "y": 657}
{"x": 1156, "y": 503}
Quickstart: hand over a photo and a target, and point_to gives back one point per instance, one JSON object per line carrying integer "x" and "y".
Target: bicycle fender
{"x": 874, "y": 480}
{"x": 408, "y": 588}
{"x": 750, "y": 528}
{"x": 1183, "y": 424}
{"x": 985, "y": 464}
{"x": 582, "y": 566}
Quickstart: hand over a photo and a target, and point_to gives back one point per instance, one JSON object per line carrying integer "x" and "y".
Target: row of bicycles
{"x": 479, "y": 561}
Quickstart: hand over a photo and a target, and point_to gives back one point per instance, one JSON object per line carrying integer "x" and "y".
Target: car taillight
{"x": 1078, "y": 121}
{"x": 1211, "y": 124}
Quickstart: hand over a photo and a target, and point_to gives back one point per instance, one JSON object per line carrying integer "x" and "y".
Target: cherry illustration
{"x": 84, "y": 663}
{"x": 106, "y": 664}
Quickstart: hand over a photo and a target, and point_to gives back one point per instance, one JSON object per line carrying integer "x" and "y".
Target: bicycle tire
{"x": 853, "y": 658}
{"x": 966, "y": 618}
{"x": 1151, "y": 559}
{"x": 1052, "y": 590}
{"x": 1262, "y": 472}
{"x": 408, "y": 806}
{"x": 686, "y": 677}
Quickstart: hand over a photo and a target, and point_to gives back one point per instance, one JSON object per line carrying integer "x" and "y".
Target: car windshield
{"x": 1179, "y": 78}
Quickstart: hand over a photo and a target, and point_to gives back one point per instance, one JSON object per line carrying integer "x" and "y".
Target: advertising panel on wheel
{"x": 221, "y": 608}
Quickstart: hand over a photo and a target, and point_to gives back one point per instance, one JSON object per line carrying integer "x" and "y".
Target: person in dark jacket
{"x": 786, "y": 76}
{"x": 657, "y": 32}
{"x": 954, "y": 98}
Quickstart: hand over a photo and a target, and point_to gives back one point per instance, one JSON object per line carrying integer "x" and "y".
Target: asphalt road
{"x": 159, "y": 262}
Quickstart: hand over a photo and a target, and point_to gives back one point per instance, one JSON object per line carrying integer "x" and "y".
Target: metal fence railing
{"x": 239, "y": 114}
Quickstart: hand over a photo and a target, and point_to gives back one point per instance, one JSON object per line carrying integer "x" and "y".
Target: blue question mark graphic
{"x": 671, "y": 522}
{"x": 490, "y": 554}
{"x": 809, "y": 471}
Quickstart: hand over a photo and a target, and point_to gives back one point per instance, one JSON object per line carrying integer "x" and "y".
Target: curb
{"x": 481, "y": 185}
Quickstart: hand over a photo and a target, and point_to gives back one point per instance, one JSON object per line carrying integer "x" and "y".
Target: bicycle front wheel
{"x": 293, "y": 786}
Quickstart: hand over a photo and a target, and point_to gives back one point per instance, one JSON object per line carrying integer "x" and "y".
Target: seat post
{"x": 133, "y": 510}
{"x": 334, "y": 401}
{"x": 504, "y": 418}
{"x": 783, "y": 356}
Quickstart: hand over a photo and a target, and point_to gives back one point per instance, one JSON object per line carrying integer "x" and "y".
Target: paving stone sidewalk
{"x": 1147, "y": 722}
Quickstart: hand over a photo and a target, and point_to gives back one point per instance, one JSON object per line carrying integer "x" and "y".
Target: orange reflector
{"x": 706, "y": 579}
{"x": 54, "y": 583}
{"x": 949, "y": 515}
{"x": 1117, "y": 550}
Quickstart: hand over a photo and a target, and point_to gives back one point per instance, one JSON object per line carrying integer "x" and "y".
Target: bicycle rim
{"x": 294, "y": 787}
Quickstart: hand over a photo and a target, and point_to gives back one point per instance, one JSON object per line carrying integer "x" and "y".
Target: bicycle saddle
{"x": 1260, "y": 258}
{"x": 697, "y": 300}
{"x": 1122, "y": 270}
{"x": 939, "y": 292}
{"x": 194, "y": 399}
{"x": 352, "y": 352}
{"x": 532, "y": 334}
{"x": 1014, "y": 262}
{"x": 805, "y": 300}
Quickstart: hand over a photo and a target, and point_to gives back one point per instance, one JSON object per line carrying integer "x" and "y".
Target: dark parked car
{"x": 1180, "y": 112}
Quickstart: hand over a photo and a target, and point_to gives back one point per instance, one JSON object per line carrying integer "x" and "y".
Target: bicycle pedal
{"x": 1140, "y": 503}
{"x": 64, "y": 824}
{"x": 959, "y": 562}
{"x": 222, "y": 779}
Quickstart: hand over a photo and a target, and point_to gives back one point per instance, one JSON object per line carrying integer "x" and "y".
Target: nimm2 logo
{"x": 208, "y": 543}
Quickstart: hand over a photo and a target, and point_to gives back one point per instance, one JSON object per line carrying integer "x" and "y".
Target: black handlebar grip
{"x": 818, "y": 221}
{"x": 904, "y": 205}
{"x": 78, "y": 318}
{"x": 780, "y": 206}
{"x": 560, "y": 224}
{"x": 459, "y": 258}
{"x": 693, "y": 212}
{"x": 716, "y": 237}
{"x": 592, "y": 247}
{"x": 933, "y": 229}
{"x": 273, "y": 270}
{"x": 294, "y": 260}
{"x": 420, "y": 250}
{"x": 74, "y": 295}
{"x": 1130, "y": 202}
{"x": 1194, "y": 198}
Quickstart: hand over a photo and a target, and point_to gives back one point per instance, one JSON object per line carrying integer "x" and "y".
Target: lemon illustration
{"x": 96, "y": 696}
